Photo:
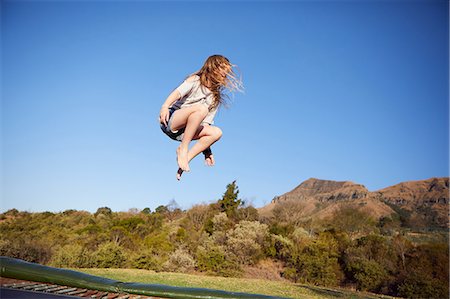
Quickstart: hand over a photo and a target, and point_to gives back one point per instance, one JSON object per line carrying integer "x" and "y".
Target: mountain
{"x": 421, "y": 203}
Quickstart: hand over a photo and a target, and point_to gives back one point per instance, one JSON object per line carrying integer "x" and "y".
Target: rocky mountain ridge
{"x": 424, "y": 201}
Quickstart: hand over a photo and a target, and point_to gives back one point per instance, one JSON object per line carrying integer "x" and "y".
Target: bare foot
{"x": 179, "y": 173}
{"x": 209, "y": 160}
{"x": 182, "y": 159}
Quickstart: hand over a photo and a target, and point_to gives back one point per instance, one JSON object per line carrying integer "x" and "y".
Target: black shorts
{"x": 175, "y": 135}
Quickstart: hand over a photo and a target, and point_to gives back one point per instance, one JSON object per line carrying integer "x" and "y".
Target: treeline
{"x": 349, "y": 249}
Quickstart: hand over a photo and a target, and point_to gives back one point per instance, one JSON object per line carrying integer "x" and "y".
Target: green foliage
{"x": 180, "y": 261}
{"x": 103, "y": 211}
{"x": 224, "y": 238}
{"x": 247, "y": 241}
{"x": 181, "y": 235}
{"x": 146, "y": 211}
{"x": 422, "y": 285}
{"x": 72, "y": 255}
{"x": 109, "y": 255}
{"x": 155, "y": 221}
{"x": 158, "y": 243}
{"x": 213, "y": 259}
{"x": 368, "y": 274}
{"x": 371, "y": 262}
{"x": 161, "y": 210}
{"x": 90, "y": 229}
{"x": 248, "y": 213}
{"x": 147, "y": 259}
{"x": 230, "y": 202}
{"x": 11, "y": 212}
{"x": 316, "y": 262}
{"x": 427, "y": 272}
{"x": 352, "y": 221}
{"x": 30, "y": 250}
{"x": 389, "y": 225}
{"x": 130, "y": 223}
{"x": 281, "y": 229}
{"x": 279, "y": 247}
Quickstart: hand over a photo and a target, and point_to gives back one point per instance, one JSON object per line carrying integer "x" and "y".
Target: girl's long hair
{"x": 217, "y": 75}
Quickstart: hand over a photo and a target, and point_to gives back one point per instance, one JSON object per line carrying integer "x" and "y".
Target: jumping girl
{"x": 188, "y": 112}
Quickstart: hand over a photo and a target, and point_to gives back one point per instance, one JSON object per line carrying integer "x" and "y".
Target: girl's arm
{"x": 177, "y": 94}
{"x": 174, "y": 96}
{"x": 164, "y": 112}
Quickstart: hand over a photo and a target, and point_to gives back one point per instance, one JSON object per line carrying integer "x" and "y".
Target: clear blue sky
{"x": 338, "y": 90}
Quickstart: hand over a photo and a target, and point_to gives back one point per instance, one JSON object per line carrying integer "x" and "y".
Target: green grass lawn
{"x": 245, "y": 285}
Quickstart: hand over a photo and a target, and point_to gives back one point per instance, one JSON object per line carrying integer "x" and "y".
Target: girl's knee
{"x": 217, "y": 133}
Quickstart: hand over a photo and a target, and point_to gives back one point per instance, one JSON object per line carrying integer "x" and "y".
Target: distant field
{"x": 245, "y": 285}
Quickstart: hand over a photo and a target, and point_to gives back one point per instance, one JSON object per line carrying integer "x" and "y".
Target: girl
{"x": 188, "y": 112}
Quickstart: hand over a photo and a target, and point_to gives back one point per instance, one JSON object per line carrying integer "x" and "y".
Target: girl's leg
{"x": 207, "y": 136}
{"x": 190, "y": 118}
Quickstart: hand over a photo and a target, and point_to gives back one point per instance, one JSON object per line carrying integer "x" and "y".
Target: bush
{"x": 368, "y": 274}
{"x": 146, "y": 259}
{"x": 72, "y": 255}
{"x": 213, "y": 258}
{"x": 109, "y": 255}
{"x": 247, "y": 241}
{"x": 280, "y": 247}
{"x": 159, "y": 243}
{"x": 28, "y": 250}
{"x": 427, "y": 272}
{"x": 179, "y": 261}
{"x": 315, "y": 261}
{"x": 421, "y": 285}
{"x": 371, "y": 263}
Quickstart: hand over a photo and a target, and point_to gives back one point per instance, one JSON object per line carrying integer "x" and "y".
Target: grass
{"x": 244, "y": 285}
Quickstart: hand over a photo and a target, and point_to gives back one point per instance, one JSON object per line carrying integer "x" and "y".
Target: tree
{"x": 371, "y": 263}
{"x": 353, "y": 221}
{"x": 161, "y": 210}
{"x": 290, "y": 212}
{"x": 173, "y": 209}
{"x": 103, "y": 211}
{"x": 427, "y": 272}
{"x": 230, "y": 202}
{"x": 146, "y": 211}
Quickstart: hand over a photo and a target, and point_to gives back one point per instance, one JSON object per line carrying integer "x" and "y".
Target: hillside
{"x": 424, "y": 203}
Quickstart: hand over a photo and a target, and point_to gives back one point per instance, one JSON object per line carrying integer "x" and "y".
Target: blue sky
{"x": 337, "y": 90}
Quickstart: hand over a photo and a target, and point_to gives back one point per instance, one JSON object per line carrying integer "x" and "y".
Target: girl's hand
{"x": 164, "y": 115}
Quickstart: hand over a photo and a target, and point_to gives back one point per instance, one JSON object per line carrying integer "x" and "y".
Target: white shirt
{"x": 192, "y": 93}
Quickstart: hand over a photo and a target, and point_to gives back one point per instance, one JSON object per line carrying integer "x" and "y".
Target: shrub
{"x": 280, "y": 247}
{"x": 315, "y": 261}
{"x": 28, "y": 250}
{"x": 247, "y": 241}
{"x": 159, "y": 243}
{"x": 427, "y": 272}
{"x": 196, "y": 217}
{"x": 146, "y": 259}
{"x": 109, "y": 255}
{"x": 179, "y": 261}
{"x": 213, "y": 258}
{"x": 368, "y": 274}
{"x": 72, "y": 255}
